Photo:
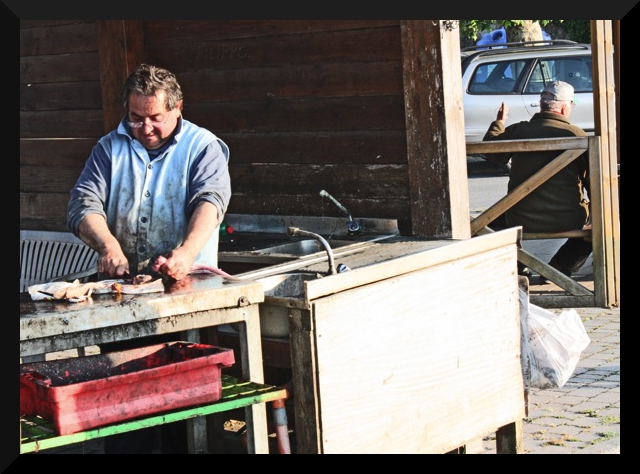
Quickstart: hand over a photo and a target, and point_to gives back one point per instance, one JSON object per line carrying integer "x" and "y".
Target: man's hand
{"x": 503, "y": 113}
{"x": 94, "y": 232}
{"x": 176, "y": 264}
{"x": 113, "y": 263}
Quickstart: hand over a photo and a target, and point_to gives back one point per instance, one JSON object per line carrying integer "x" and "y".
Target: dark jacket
{"x": 560, "y": 203}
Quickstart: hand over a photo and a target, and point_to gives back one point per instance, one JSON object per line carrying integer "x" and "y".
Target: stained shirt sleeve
{"x": 91, "y": 192}
{"x": 209, "y": 178}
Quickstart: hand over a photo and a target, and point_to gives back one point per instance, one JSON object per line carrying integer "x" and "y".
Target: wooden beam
{"x": 551, "y": 300}
{"x": 120, "y": 47}
{"x": 606, "y": 184}
{"x": 510, "y": 439}
{"x": 436, "y": 154}
{"x": 583, "y": 233}
{"x": 547, "y": 271}
{"x": 523, "y": 190}
{"x": 531, "y": 144}
{"x": 616, "y": 72}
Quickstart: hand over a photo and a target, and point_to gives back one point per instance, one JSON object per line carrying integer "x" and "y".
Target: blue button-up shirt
{"x": 148, "y": 200}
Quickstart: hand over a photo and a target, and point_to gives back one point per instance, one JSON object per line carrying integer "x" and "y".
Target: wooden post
{"x": 435, "y": 129}
{"x": 604, "y": 102}
{"x": 120, "y": 46}
{"x": 510, "y": 439}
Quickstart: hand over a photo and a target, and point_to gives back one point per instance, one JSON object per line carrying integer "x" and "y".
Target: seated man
{"x": 560, "y": 203}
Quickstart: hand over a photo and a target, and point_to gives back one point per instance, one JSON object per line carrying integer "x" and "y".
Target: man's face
{"x": 158, "y": 124}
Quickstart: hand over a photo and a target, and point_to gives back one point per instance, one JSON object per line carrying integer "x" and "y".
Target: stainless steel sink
{"x": 252, "y": 256}
{"x": 303, "y": 247}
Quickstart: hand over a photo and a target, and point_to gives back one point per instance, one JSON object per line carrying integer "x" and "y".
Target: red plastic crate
{"x": 81, "y": 393}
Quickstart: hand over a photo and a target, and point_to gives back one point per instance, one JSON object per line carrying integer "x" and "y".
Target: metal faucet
{"x": 352, "y": 226}
{"x": 294, "y": 231}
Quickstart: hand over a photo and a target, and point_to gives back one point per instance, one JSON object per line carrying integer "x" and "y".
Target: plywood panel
{"x": 432, "y": 362}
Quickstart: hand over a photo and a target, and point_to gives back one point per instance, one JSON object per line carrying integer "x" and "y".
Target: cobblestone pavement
{"x": 582, "y": 417}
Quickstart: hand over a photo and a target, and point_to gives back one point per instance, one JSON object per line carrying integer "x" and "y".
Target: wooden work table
{"x": 199, "y": 301}
{"x": 416, "y": 349}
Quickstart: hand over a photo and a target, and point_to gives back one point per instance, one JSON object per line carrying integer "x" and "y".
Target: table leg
{"x": 509, "y": 439}
{"x": 196, "y": 427}
{"x": 251, "y": 355}
{"x": 197, "y": 435}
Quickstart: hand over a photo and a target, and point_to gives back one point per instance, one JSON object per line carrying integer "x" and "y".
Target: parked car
{"x": 516, "y": 73}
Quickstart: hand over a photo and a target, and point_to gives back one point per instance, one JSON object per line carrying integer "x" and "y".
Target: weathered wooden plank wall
{"x": 303, "y": 105}
{"x": 60, "y": 115}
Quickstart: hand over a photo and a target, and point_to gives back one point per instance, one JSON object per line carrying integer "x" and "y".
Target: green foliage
{"x": 577, "y": 30}
{"x": 473, "y": 29}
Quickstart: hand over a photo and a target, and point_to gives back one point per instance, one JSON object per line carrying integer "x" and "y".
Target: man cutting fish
{"x": 151, "y": 198}
{"x": 157, "y": 186}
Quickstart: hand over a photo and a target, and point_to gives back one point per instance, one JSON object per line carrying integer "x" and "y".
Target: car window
{"x": 498, "y": 77}
{"x": 575, "y": 70}
{"x": 540, "y": 76}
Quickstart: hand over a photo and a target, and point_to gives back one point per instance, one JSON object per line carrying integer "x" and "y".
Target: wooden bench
{"x": 582, "y": 233}
{"x": 569, "y": 149}
{"x": 574, "y": 288}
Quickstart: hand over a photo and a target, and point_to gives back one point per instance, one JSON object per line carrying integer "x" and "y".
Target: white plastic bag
{"x": 555, "y": 344}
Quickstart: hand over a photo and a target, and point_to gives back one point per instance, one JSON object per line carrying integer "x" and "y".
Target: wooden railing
{"x": 605, "y": 218}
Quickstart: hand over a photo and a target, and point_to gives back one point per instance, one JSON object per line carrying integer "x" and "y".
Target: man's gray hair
{"x": 147, "y": 80}
{"x": 552, "y": 105}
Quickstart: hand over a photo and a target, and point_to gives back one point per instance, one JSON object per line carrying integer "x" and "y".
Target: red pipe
{"x": 281, "y": 422}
